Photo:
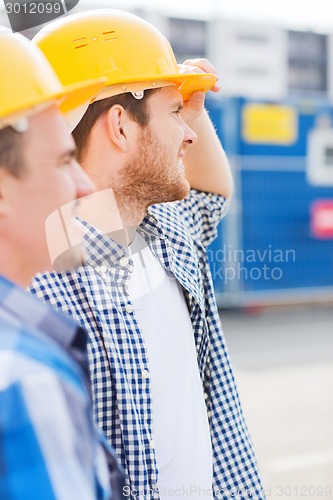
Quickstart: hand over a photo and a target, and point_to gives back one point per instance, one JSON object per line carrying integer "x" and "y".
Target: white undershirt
{"x": 180, "y": 422}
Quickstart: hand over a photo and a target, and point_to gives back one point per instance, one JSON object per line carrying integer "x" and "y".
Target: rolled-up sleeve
{"x": 202, "y": 213}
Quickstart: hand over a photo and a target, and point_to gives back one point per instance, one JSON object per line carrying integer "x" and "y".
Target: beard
{"x": 151, "y": 176}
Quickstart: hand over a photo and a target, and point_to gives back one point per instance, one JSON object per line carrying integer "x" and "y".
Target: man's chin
{"x": 184, "y": 190}
{"x": 176, "y": 193}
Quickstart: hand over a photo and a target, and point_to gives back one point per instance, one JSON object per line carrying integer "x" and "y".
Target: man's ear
{"x": 118, "y": 123}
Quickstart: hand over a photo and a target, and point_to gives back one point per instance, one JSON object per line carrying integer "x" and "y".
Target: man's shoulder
{"x": 22, "y": 356}
{"x": 198, "y": 215}
{"x": 27, "y": 355}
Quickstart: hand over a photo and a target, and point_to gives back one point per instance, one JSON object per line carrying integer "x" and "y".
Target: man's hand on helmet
{"x": 195, "y": 105}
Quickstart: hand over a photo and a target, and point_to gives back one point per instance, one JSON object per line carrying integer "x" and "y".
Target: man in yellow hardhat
{"x": 163, "y": 387}
{"x": 49, "y": 447}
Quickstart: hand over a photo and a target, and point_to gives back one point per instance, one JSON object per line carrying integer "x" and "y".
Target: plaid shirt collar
{"x": 102, "y": 249}
{"x": 23, "y": 309}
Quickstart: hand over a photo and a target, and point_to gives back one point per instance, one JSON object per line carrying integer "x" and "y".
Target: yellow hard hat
{"x": 28, "y": 80}
{"x": 118, "y": 45}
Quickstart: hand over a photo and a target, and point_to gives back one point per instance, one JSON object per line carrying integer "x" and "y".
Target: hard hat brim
{"x": 78, "y": 93}
{"x": 187, "y": 83}
{"x": 67, "y": 98}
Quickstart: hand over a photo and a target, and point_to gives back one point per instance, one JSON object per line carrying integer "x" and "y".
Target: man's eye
{"x": 67, "y": 162}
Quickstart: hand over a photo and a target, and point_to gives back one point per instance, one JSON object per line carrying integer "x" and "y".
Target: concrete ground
{"x": 283, "y": 362}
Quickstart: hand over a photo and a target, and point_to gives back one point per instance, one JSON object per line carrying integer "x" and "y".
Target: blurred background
{"x": 272, "y": 262}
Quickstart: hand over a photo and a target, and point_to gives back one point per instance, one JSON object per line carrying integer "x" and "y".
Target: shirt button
{"x": 103, "y": 269}
{"x": 152, "y": 444}
{"x": 129, "y": 308}
{"x": 145, "y": 374}
{"x": 124, "y": 261}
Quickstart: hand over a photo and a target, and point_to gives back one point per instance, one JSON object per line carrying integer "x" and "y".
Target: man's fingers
{"x": 197, "y": 66}
{"x": 201, "y": 63}
{"x": 188, "y": 68}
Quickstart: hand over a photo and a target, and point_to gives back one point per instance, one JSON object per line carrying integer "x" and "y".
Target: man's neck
{"x": 113, "y": 216}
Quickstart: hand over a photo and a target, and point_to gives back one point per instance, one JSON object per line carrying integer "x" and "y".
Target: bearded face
{"x": 154, "y": 174}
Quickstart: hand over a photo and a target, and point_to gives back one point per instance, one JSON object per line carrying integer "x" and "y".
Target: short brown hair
{"x": 137, "y": 108}
{"x": 11, "y": 151}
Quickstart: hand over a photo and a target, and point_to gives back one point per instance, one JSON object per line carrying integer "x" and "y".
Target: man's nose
{"x": 190, "y": 137}
{"x": 84, "y": 185}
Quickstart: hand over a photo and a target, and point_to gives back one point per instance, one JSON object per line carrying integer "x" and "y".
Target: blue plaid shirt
{"x": 95, "y": 295}
{"x": 49, "y": 447}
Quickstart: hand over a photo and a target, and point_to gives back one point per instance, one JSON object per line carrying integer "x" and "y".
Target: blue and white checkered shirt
{"x": 95, "y": 295}
{"x": 49, "y": 446}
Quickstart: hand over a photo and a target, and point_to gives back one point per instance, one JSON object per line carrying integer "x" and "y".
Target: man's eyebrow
{"x": 69, "y": 153}
{"x": 178, "y": 105}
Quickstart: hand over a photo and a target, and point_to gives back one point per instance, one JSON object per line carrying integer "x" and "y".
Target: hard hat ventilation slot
{"x": 110, "y": 38}
{"x": 79, "y": 40}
